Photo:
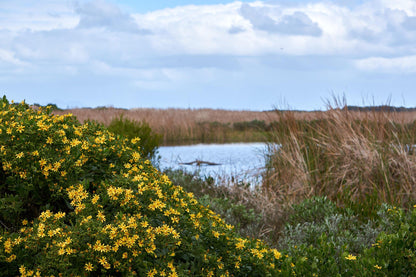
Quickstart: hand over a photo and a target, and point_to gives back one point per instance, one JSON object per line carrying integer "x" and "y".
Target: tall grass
{"x": 357, "y": 159}
{"x": 188, "y": 126}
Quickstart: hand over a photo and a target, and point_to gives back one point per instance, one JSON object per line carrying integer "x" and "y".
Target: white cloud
{"x": 8, "y": 57}
{"x": 398, "y": 65}
{"x": 297, "y": 23}
{"x": 21, "y": 15}
{"x": 233, "y": 29}
{"x": 100, "y": 14}
{"x": 199, "y": 45}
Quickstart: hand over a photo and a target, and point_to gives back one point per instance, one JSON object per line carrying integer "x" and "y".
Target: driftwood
{"x": 199, "y": 162}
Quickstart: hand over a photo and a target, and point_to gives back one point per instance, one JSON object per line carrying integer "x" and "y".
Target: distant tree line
{"x": 382, "y": 108}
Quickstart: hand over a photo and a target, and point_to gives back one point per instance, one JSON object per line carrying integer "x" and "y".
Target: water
{"x": 235, "y": 162}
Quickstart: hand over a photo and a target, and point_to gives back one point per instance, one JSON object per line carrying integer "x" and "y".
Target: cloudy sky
{"x": 253, "y": 55}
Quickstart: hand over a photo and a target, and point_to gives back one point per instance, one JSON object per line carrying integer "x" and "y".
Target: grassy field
{"x": 338, "y": 193}
{"x": 338, "y": 199}
{"x": 189, "y": 126}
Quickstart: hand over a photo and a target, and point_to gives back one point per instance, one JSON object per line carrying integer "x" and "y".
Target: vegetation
{"x": 335, "y": 242}
{"x": 357, "y": 163}
{"x": 149, "y": 141}
{"x": 318, "y": 237}
{"x": 338, "y": 197}
{"x": 52, "y": 107}
{"x": 337, "y": 200}
{"x": 76, "y": 201}
{"x": 253, "y": 212}
{"x": 188, "y": 126}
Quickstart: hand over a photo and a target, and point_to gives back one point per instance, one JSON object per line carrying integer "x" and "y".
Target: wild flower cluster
{"x": 76, "y": 201}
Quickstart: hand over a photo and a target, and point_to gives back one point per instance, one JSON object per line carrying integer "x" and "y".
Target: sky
{"x": 240, "y": 55}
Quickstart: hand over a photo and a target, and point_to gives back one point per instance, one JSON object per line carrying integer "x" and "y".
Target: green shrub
{"x": 337, "y": 243}
{"x": 342, "y": 228}
{"x": 394, "y": 251}
{"x": 76, "y": 201}
{"x": 257, "y": 125}
{"x": 149, "y": 141}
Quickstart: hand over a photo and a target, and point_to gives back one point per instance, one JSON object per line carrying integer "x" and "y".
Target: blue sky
{"x": 254, "y": 55}
{"x": 148, "y": 6}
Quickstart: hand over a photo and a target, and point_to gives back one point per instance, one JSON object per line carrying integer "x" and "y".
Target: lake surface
{"x": 235, "y": 161}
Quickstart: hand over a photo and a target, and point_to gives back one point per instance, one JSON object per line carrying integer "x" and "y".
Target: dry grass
{"x": 355, "y": 158}
{"x": 186, "y": 126}
{"x": 164, "y": 118}
{"x": 181, "y": 125}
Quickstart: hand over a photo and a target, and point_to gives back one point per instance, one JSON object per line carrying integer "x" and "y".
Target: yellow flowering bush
{"x": 76, "y": 201}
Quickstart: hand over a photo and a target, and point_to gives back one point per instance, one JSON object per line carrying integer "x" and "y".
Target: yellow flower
{"x": 100, "y": 140}
{"x": 135, "y": 140}
{"x": 20, "y": 155}
{"x": 59, "y": 215}
{"x": 277, "y": 254}
{"x": 136, "y": 156}
{"x": 101, "y": 216}
{"x": 152, "y": 273}
{"x": 377, "y": 266}
{"x": 240, "y": 244}
{"x": 95, "y": 199}
{"x": 78, "y": 163}
{"x": 104, "y": 263}
{"x": 351, "y": 257}
{"x": 20, "y": 128}
{"x": 46, "y": 214}
{"x": 22, "y": 175}
{"x": 42, "y": 162}
{"x": 75, "y": 142}
{"x": 157, "y": 204}
{"x": 11, "y": 258}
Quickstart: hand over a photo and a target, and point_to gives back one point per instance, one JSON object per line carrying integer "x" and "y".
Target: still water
{"x": 234, "y": 162}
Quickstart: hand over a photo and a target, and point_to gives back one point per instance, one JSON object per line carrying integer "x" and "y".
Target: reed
{"x": 357, "y": 159}
{"x": 185, "y": 126}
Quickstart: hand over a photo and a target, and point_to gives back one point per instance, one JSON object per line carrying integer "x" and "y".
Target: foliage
{"x": 76, "y": 201}
{"x": 317, "y": 216}
{"x": 359, "y": 163}
{"x": 127, "y": 128}
{"x": 336, "y": 243}
{"x": 219, "y": 199}
{"x": 52, "y": 107}
{"x": 251, "y": 125}
{"x": 253, "y": 212}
